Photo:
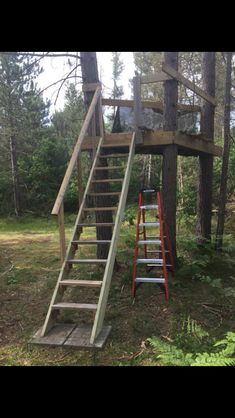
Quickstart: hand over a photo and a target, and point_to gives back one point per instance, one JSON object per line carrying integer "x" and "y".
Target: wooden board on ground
{"x": 80, "y": 337}
{"x": 56, "y": 336}
{"x": 71, "y": 335}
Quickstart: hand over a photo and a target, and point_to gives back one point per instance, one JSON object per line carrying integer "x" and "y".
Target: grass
{"x": 29, "y": 267}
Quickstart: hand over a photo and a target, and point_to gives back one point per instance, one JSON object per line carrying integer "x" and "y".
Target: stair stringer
{"x": 49, "y": 322}
{"x": 99, "y": 317}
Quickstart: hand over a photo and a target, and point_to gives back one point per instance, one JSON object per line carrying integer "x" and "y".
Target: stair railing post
{"x": 62, "y": 232}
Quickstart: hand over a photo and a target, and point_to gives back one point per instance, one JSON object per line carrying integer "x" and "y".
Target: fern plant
{"x": 171, "y": 355}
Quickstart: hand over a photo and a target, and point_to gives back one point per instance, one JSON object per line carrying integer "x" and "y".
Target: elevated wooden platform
{"x": 70, "y": 335}
{"x": 154, "y": 143}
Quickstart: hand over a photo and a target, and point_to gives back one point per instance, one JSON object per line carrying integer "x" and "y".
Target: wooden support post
{"x": 204, "y": 206}
{"x": 62, "y": 232}
{"x": 79, "y": 174}
{"x": 137, "y": 109}
{"x": 169, "y": 170}
{"x": 101, "y": 121}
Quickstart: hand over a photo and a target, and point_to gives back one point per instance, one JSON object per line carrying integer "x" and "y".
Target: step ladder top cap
{"x": 149, "y": 190}
{"x": 149, "y": 207}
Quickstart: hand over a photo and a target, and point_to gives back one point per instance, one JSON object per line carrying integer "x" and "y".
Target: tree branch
{"x": 68, "y": 76}
{"x": 47, "y": 54}
{"x": 58, "y": 81}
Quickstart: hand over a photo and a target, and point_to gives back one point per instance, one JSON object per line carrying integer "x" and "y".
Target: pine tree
{"x": 22, "y": 116}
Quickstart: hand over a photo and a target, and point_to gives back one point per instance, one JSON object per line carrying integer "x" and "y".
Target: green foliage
{"x": 130, "y": 215}
{"x": 172, "y": 355}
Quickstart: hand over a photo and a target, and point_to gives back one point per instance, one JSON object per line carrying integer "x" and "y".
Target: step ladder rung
{"x": 111, "y": 167}
{"x": 152, "y": 236}
{"x": 108, "y": 181}
{"x": 114, "y": 155}
{"x": 149, "y": 260}
{"x": 157, "y": 265}
{"x": 150, "y": 280}
{"x": 96, "y": 224}
{"x": 149, "y": 242}
{"x": 87, "y": 261}
{"x": 91, "y": 241}
{"x": 149, "y": 207}
{"x": 84, "y": 306}
{"x": 101, "y": 209}
{"x": 150, "y": 224}
{"x": 81, "y": 283}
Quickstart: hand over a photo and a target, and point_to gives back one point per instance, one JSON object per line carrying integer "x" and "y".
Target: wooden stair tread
{"x": 81, "y": 283}
{"x": 87, "y": 260}
{"x": 106, "y": 208}
{"x": 66, "y": 305}
{"x": 114, "y": 155}
{"x": 91, "y": 241}
{"x": 105, "y": 194}
{"x": 98, "y": 224}
{"x": 113, "y": 167}
{"x": 108, "y": 181}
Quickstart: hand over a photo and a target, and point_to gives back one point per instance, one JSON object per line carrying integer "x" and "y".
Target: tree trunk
{"x": 204, "y": 205}
{"x": 169, "y": 170}
{"x": 90, "y": 75}
{"x": 224, "y": 174}
{"x": 15, "y": 176}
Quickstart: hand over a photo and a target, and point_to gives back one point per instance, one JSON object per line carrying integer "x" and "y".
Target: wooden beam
{"x": 90, "y": 86}
{"x": 149, "y": 104}
{"x": 137, "y": 109}
{"x": 159, "y": 138}
{"x": 176, "y": 75}
{"x": 197, "y": 144}
{"x": 154, "y": 78}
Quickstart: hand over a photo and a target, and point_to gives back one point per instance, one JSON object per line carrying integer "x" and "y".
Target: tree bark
{"x": 224, "y": 174}
{"x": 169, "y": 170}
{"x": 15, "y": 176}
{"x": 90, "y": 75}
{"x": 204, "y": 205}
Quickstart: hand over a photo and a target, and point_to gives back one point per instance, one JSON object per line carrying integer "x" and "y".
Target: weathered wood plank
{"x": 197, "y": 144}
{"x": 161, "y": 138}
{"x": 176, "y": 75}
{"x": 150, "y": 104}
{"x": 90, "y": 86}
{"x": 55, "y": 337}
{"x": 154, "y": 78}
{"x": 81, "y": 283}
{"x": 70, "y": 335}
{"x": 137, "y": 109}
{"x": 62, "y": 233}
{"x": 80, "y": 338}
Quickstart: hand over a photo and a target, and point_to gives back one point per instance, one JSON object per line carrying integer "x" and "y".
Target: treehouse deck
{"x": 154, "y": 143}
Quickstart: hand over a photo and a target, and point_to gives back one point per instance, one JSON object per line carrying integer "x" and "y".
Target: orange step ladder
{"x": 160, "y": 241}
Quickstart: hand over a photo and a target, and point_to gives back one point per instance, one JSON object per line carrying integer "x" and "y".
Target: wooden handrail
{"x": 76, "y": 151}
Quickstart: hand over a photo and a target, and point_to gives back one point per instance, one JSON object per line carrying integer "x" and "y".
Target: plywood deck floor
{"x": 71, "y": 335}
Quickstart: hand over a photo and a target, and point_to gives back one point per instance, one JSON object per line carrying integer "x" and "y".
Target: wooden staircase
{"x": 84, "y": 220}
